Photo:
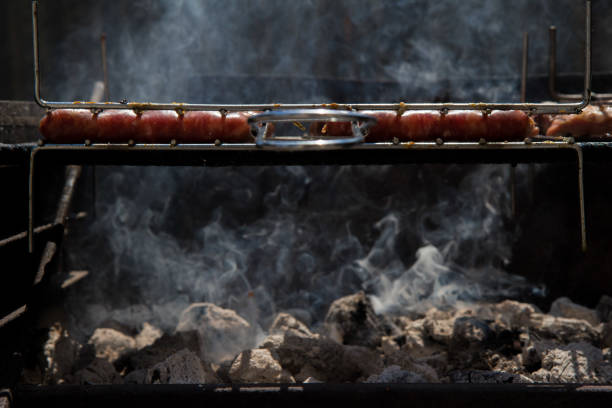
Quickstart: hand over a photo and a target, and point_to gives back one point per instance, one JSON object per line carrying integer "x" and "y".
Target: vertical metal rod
{"x": 524, "y": 66}
{"x": 31, "y": 203}
{"x": 513, "y": 188}
{"x": 587, "y": 54}
{"x": 93, "y": 190}
{"x": 37, "y": 96}
{"x": 104, "y": 67}
{"x": 552, "y": 62}
{"x": 583, "y": 236}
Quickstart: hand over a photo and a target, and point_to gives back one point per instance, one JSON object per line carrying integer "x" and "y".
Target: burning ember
{"x": 506, "y": 342}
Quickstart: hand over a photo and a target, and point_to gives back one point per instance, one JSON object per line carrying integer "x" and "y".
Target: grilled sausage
{"x": 154, "y": 126}
{"x": 419, "y": 126}
{"x": 593, "y": 121}
{"x": 69, "y": 126}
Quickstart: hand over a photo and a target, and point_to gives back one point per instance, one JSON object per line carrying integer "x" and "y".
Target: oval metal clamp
{"x": 260, "y": 125}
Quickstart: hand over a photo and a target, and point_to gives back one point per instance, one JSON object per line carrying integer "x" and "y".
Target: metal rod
{"x": 524, "y": 67}
{"x": 583, "y": 230}
{"x": 31, "y": 202}
{"x": 513, "y": 188}
{"x": 534, "y": 108}
{"x": 24, "y": 234}
{"x": 104, "y": 67}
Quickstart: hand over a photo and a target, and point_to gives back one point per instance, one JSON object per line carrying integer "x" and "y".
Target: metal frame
{"x": 248, "y": 154}
{"x": 320, "y": 148}
{"x": 322, "y": 395}
{"x": 533, "y": 108}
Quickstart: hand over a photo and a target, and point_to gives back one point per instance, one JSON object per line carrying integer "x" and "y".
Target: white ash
{"x": 573, "y": 363}
{"x": 222, "y": 332}
{"x": 258, "y": 366}
{"x": 110, "y": 344}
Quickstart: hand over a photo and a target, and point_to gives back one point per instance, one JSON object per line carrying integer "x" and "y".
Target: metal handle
{"x": 260, "y": 125}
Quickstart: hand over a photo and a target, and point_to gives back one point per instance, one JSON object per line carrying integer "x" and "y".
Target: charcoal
{"x": 99, "y": 371}
{"x": 60, "y": 354}
{"x": 136, "y": 377}
{"x": 332, "y": 362}
{"x": 486, "y": 377}
{"x": 513, "y": 314}
{"x": 284, "y": 322}
{"x": 406, "y": 362}
{"x": 469, "y": 341}
{"x": 182, "y": 367}
{"x": 562, "y": 329}
{"x": 351, "y": 320}
{"x": 395, "y": 375}
{"x": 160, "y": 350}
{"x": 573, "y": 363}
{"x": 564, "y": 307}
{"x": 606, "y": 334}
{"x": 258, "y": 365}
{"x": 438, "y": 325}
{"x": 222, "y": 332}
{"x": 604, "y": 308}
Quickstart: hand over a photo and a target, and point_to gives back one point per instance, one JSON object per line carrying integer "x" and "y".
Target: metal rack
{"x": 344, "y": 152}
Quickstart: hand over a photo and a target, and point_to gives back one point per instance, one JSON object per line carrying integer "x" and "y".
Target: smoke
{"x": 262, "y": 240}
{"x": 266, "y": 239}
{"x": 268, "y": 51}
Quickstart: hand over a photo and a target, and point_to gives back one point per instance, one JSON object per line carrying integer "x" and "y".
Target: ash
{"x": 502, "y": 342}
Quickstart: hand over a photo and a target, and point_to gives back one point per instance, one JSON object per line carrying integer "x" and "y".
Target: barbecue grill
{"x": 271, "y": 149}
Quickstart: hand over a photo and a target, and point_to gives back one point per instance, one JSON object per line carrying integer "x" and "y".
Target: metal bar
{"x": 104, "y": 67}
{"x": 24, "y": 234}
{"x": 534, "y": 108}
{"x": 323, "y": 395}
{"x": 13, "y": 315}
{"x": 72, "y": 175}
{"x": 583, "y": 230}
{"x": 31, "y": 202}
{"x": 524, "y": 67}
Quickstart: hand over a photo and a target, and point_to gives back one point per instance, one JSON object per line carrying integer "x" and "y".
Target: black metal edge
{"x": 236, "y": 155}
{"x": 322, "y": 394}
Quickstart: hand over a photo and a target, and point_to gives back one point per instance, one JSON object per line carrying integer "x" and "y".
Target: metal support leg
{"x": 583, "y": 236}
{"x": 31, "y": 203}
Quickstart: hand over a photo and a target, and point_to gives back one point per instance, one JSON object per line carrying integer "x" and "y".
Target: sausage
{"x": 206, "y": 127}
{"x": 592, "y": 121}
{"x": 69, "y": 126}
{"x": 114, "y": 126}
{"x": 152, "y": 126}
{"x": 418, "y": 126}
